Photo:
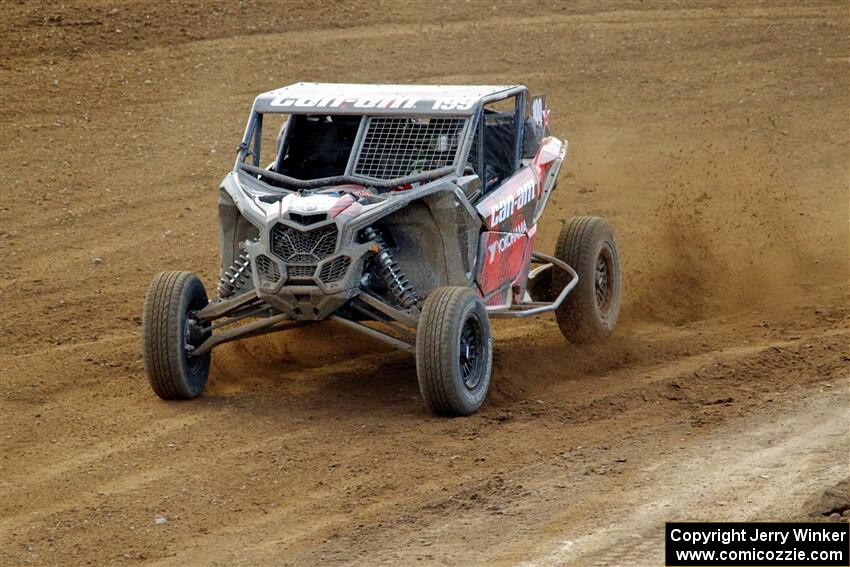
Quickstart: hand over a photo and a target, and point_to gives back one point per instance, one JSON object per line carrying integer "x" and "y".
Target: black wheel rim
{"x": 472, "y": 352}
{"x": 603, "y": 281}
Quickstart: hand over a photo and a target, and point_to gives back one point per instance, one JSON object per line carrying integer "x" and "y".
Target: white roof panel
{"x": 344, "y": 98}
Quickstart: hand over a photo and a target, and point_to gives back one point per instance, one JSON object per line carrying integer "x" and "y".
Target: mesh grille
{"x": 301, "y": 272}
{"x": 267, "y": 268}
{"x": 296, "y": 247}
{"x": 335, "y": 269}
{"x": 398, "y": 147}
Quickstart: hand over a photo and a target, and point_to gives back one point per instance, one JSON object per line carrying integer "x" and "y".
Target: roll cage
{"x": 470, "y": 152}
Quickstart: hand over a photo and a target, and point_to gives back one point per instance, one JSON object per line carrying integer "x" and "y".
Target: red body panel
{"x": 509, "y": 212}
{"x": 503, "y": 264}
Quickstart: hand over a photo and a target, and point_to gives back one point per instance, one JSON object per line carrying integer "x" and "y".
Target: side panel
{"x": 512, "y": 204}
{"x": 510, "y": 214}
{"x": 503, "y": 261}
{"x": 522, "y": 196}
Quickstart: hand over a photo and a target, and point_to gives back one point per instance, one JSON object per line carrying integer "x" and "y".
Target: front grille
{"x": 294, "y": 246}
{"x": 301, "y": 272}
{"x": 334, "y": 270}
{"x": 267, "y": 268}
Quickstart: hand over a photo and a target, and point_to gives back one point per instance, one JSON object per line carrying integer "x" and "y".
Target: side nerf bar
{"x": 536, "y": 308}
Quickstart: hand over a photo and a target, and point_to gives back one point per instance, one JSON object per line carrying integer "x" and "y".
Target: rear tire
{"x": 168, "y": 334}
{"x": 454, "y": 351}
{"x": 590, "y": 311}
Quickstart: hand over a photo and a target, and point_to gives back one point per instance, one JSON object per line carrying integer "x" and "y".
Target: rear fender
{"x": 547, "y": 164}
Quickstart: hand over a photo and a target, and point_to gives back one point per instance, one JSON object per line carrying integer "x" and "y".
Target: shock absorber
{"x": 388, "y": 270}
{"x": 235, "y": 276}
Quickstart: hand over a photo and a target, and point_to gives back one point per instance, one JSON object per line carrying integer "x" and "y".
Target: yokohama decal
{"x": 504, "y": 243}
{"x": 504, "y": 257}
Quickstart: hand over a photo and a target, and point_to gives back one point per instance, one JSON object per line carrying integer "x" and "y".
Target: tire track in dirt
{"x": 44, "y": 473}
{"x": 10, "y": 362}
{"x": 723, "y": 476}
{"x": 135, "y": 483}
{"x": 422, "y": 523}
{"x": 20, "y": 23}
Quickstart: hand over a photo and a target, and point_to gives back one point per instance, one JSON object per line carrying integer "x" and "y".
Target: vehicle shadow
{"x": 329, "y": 368}
{"x": 324, "y": 365}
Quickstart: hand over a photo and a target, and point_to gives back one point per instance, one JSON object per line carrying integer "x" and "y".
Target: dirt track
{"x": 716, "y": 140}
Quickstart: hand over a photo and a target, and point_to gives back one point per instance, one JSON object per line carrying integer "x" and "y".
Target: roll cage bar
{"x": 475, "y": 124}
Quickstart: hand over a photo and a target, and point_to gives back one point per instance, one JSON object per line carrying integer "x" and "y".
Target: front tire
{"x": 169, "y": 333}
{"x": 589, "y": 313}
{"x": 454, "y": 351}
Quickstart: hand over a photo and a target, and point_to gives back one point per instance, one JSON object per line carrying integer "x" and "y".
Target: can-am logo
{"x": 389, "y": 102}
{"x": 517, "y": 199}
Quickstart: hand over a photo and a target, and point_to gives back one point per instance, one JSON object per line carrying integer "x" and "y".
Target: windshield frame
{"x": 253, "y": 133}
{"x": 251, "y": 149}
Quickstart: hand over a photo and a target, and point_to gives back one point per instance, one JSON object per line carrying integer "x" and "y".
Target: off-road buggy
{"x": 408, "y": 213}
